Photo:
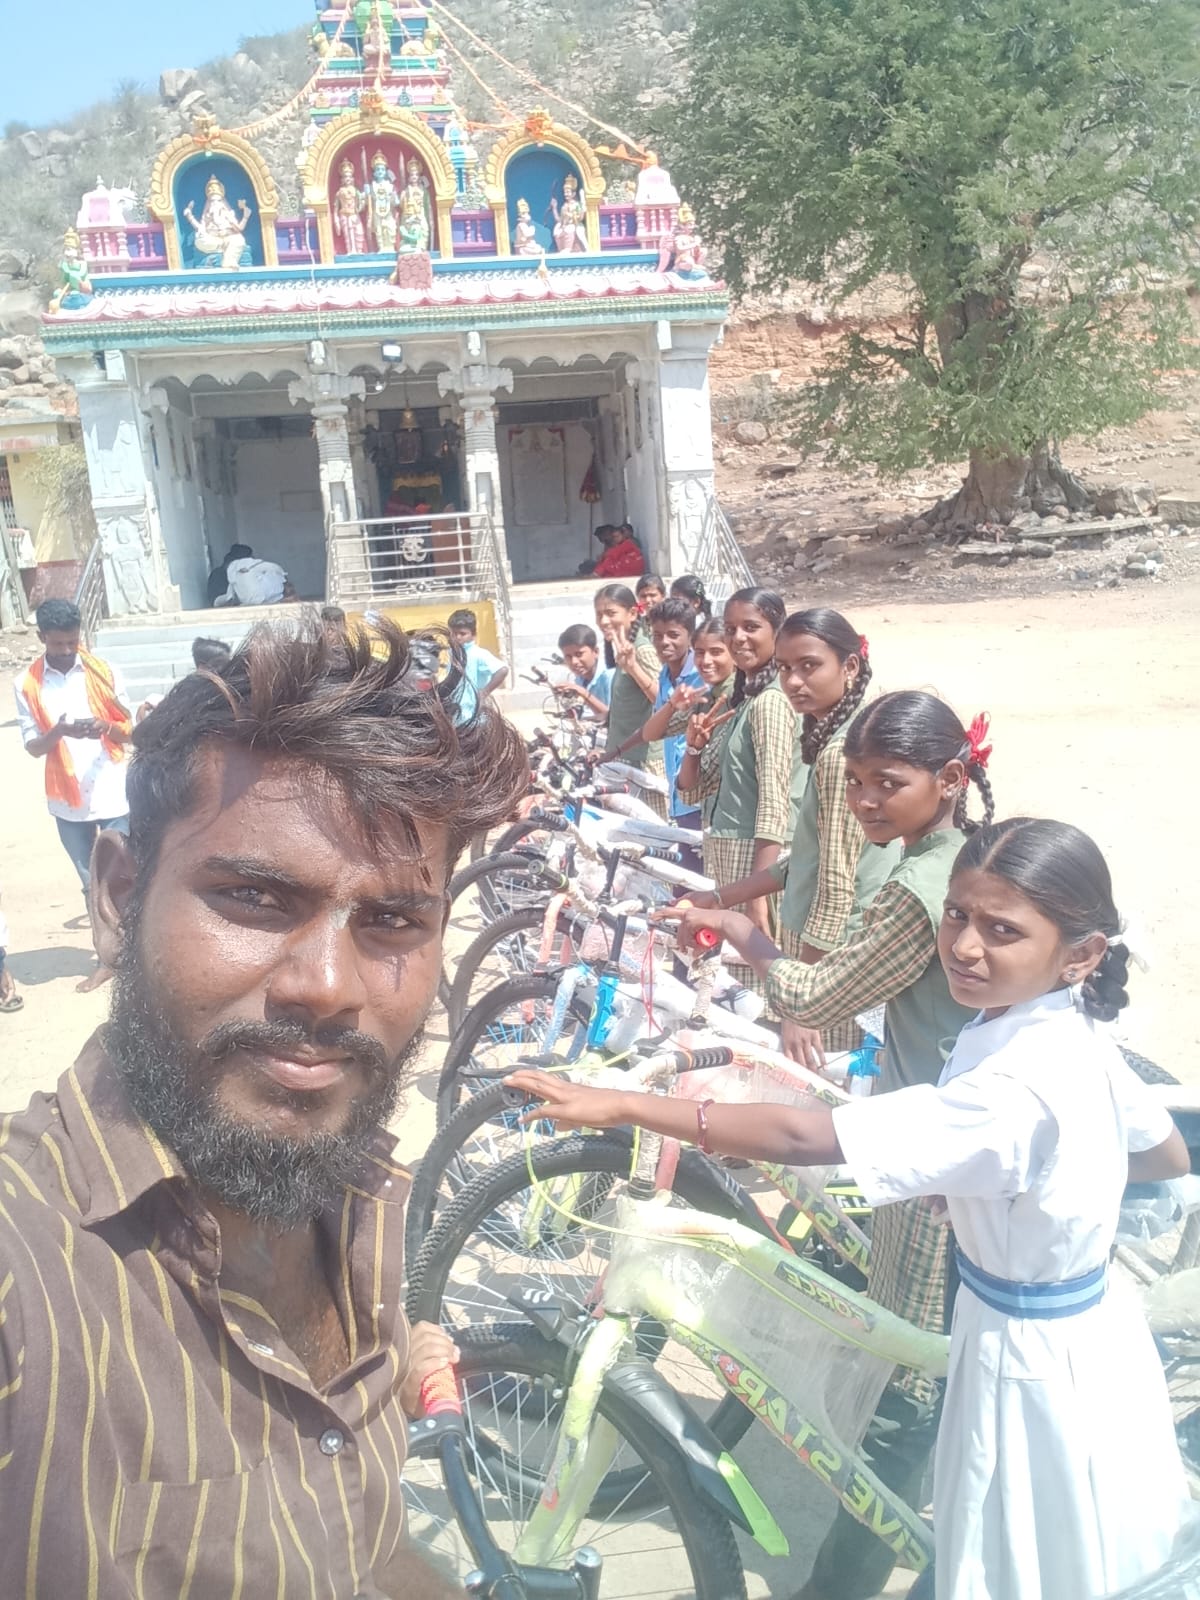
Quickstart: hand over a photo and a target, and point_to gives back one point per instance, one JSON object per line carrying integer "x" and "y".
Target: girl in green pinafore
{"x": 629, "y": 650}
{"x": 745, "y": 765}
{"x": 909, "y": 763}
{"x": 831, "y": 872}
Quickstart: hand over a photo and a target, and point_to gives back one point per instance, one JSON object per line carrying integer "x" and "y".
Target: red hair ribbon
{"x": 864, "y": 647}
{"x": 978, "y": 752}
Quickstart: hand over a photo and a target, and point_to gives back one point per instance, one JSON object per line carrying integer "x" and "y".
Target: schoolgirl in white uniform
{"x": 1058, "y": 1475}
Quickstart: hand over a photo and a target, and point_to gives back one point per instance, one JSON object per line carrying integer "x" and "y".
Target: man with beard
{"x": 204, "y": 1363}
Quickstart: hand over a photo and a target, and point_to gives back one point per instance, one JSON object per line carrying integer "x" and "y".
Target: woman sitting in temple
{"x": 623, "y": 556}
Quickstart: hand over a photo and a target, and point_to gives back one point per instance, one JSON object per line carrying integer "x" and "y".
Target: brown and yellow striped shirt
{"x": 157, "y": 1436}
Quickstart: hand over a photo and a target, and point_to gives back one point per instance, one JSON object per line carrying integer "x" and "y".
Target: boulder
{"x": 891, "y": 527}
{"x": 58, "y": 166}
{"x": 12, "y": 353}
{"x": 751, "y": 433}
{"x": 59, "y": 139}
{"x": 1037, "y": 548}
{"x": 1180, "y": 508}
{"x": 33, "y": 145}
{"x": 191, "y": 103}
{"x": 175, "y": 82}
{"x": 837, "y": 546}
{"x": 1026, "y": 524}
{"x": 1126, "y": 499}
{"x": 1048, "y": 496}
{"x": 13, "y": 265}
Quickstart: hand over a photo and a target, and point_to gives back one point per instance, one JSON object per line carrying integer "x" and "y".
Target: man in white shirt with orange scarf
{"x": 72, "y": 711}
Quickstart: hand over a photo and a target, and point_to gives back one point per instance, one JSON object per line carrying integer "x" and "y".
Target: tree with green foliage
{"x": 948, "y": 143}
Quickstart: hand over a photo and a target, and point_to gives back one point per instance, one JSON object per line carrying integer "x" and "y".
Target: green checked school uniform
{"x": 627, "y": 711}
{"x": 832, "y": 872}
{"x": 894, "y": 960}
{"x": 751, "y": 777}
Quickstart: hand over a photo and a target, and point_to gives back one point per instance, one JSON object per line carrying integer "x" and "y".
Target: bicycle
{"x": 692, "y": 1281}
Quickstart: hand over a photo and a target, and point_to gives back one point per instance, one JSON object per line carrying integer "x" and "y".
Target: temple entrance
{"x": 558, "y": 485}
{"x": 236, "y": 464}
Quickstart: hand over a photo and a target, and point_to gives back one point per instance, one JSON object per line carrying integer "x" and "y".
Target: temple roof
{"x": 188, "y": 309}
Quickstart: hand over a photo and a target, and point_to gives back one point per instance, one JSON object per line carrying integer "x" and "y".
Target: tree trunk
{"x": 998, "y": 487}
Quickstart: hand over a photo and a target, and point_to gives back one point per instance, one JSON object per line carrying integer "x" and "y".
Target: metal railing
{"x": 720, "y": 560}
{"x": 377, "y": 561}
{"x": 91, "y": 596}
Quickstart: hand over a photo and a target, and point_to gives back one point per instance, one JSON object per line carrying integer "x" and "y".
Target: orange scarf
{"x": 61, "y": 783}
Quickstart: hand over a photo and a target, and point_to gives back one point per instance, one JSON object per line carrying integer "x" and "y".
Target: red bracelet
{"x": 702, "y": 1125}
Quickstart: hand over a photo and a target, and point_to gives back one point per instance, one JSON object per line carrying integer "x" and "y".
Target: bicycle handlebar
{"x": 439, "y": 1394}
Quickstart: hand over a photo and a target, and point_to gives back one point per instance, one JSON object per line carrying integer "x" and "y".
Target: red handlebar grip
{"x": 706, "y": 938}
{"x": 439, "y": 1393}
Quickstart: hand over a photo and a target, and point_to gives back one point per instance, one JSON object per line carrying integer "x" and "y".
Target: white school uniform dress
{"x": 1057, "y": 1473}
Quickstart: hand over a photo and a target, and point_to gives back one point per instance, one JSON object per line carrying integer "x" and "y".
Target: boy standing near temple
{"x": 483, "y": 671}
{"x": 73, "y": 714}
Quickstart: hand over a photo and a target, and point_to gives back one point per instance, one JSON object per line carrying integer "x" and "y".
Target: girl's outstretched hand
{"x": 569, "y": 1105}
{"x": 691, "y": 922}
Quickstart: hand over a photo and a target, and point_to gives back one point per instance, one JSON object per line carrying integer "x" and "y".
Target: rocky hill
{"x": 618, "y": 58}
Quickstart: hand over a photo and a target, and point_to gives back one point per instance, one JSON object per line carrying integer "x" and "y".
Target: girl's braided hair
{"x": 772, "y": 607}
{"x": 832, "y": 629}
{"x": 922, "y": 731}
{"x": 1061, "y": 872}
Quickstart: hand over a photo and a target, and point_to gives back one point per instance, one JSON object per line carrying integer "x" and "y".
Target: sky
{"x": 55, "y": 62}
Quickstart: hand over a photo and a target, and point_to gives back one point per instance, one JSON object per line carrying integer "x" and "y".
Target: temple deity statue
{"x": 348, "y": 227}
{"x": 220, "y": 232}
{"x": 525, "y": 239}
{"x": 75, "y": 291}
{"x": 377, "y": 46}
{"x": 415, "y": 210}
{"x": 570, "y": 231}
{"x": 382, "y": 204}
{"x": 686, "y": 246}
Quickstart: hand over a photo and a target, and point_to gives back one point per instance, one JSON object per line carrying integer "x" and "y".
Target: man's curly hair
{"x": 346, "y": 702}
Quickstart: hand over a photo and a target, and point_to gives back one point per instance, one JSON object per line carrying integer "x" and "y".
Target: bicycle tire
{"x": 541, "y": 986}
{"x": 697, "y": 1183}
{"x": 476, "y": 874}
{"x": 517, "y": 832}
{"x": 443, "y": 1173}
{"x": 464, "y": 991}
{"x": 518, "y": 1351}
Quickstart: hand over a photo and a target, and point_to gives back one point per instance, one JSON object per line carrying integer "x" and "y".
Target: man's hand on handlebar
{"x": 691, "y": 922}
{"x": 429, "y": 1350}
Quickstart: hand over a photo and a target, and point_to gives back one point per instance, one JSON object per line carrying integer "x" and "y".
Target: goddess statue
{"x": 570, "y": 231}
{"x": 220, "y": 233}
{"x": 686, "y": 246}
{"x": 414, "y": 205}
{"x": 382, "y": 204}
{"x": 525, "y": 239}
{"x": 75, "y": 291}
{"x": 348, "y": 226}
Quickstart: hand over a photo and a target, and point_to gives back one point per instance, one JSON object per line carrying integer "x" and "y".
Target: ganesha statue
{"x": 220, "y": 236}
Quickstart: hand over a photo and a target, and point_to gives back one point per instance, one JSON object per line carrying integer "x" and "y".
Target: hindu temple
{"x": 475, "y": 343}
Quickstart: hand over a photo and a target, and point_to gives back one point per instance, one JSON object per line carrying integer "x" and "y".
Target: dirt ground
{"x": 1094, "y": 707}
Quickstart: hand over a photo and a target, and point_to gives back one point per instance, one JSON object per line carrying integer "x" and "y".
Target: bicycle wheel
{"x": 513, "y": 1381}
{"x": 501, "y": 1236}
{"x": 511, "y": 947}
{"x": 509, "y": 1024}
{"x": 492, "y": 887}
{"x": 482, "y": 1134}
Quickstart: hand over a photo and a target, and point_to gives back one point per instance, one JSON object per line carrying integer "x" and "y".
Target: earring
{"x": 1070, "y": 974}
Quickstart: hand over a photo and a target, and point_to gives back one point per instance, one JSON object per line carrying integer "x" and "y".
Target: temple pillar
{"x": 121, "y": 494}
{"x": 474, "y": 387}
{"x": 686, "y": 423}
{"x": 329, "y": 394}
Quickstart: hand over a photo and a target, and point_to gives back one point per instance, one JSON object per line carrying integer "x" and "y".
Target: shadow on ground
{"x": 33, "y": 967}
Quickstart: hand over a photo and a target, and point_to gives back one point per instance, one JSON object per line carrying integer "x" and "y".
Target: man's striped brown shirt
{"x": 157, "y": 1436}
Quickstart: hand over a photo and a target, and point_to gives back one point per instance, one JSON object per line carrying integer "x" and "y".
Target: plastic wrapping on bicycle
{"x": 600, "y": 789}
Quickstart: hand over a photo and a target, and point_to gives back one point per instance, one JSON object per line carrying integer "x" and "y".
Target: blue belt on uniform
{"x": 1038, "y": 1300}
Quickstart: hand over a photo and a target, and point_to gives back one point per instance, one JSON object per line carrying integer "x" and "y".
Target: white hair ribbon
{"x": 1133, "y": 939}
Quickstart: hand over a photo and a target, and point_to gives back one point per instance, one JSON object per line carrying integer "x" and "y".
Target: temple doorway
{"x": 557, "y": 483}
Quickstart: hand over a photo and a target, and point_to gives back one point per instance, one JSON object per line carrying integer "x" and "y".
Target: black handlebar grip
{"x": 664, "y": 852}
{"x": 715, "y": 1056}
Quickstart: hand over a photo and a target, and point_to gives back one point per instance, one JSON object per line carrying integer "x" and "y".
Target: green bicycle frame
{"x": 587, "y": 1446}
